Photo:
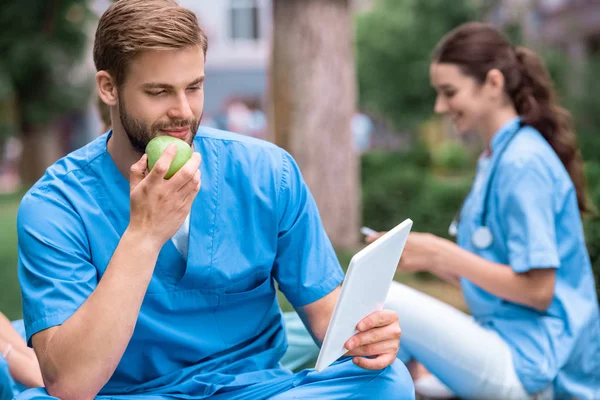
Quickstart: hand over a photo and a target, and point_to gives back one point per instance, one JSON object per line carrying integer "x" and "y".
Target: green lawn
{"x": 10, "y": 295}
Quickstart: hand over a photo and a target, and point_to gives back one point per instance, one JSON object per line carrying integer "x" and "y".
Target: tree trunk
{"x": 313, "y": 94}
{"x": 41, "y": 148}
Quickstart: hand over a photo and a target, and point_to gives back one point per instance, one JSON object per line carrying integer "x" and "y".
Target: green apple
{"x": 157, "y": 146}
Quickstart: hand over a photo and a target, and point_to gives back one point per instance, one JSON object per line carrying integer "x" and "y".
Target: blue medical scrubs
{"x": 533, "y": 215}
{"x": 210, "y": 323}
{"x": 6, "y": 382}
{"x": 8, "y": 386}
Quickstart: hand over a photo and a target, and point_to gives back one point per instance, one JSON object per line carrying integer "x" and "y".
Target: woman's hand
{"x": 420, "y": 252}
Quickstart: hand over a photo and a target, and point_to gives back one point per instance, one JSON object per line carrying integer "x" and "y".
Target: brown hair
{"x": 129, "y": 27}
{"x": 477, "y": 48}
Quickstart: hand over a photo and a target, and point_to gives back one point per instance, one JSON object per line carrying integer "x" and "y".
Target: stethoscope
{"x": 482, "y": 236}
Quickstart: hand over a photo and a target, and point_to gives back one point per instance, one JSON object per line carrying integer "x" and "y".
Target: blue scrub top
{"x": 533, "y": 214}
{"x": 6, "y": 382}
{"x": 209, "y": 321}
{"x": 8, "y": 386}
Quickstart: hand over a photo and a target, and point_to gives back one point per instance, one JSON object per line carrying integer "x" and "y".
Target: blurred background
{"x": 341, "y": 84}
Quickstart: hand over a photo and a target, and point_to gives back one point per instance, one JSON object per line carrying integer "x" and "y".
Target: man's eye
{"x": 194, "y": 88}
{"x": 449, "y": 93}
{"x": 159, "y": 93}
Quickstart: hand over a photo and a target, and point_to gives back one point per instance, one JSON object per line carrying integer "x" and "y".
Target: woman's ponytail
{"x": 535, "y": 100}
{"x": 478, "y": 48}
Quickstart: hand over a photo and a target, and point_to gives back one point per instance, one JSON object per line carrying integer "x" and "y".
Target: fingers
{"x": 137, "y": 172}
{"x": 163, "y": 164}
{"x": 188, "y": 173}
{"x": 192, "y": 184}
{"x": 377, "y": 319}
{"x": 380, "y": 362}
{"x": 189, "y": 191}
{"x": 372, "y": 336}
{"x": 373, "y": 349}
{"x": 371, "y": 238}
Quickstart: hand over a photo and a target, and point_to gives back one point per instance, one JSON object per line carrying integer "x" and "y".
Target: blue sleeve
{"x": 306, "y": 266}
{"x": 55, "y": 269}
{"x": 6, "y": 382}
{"x": 527, "y": 212}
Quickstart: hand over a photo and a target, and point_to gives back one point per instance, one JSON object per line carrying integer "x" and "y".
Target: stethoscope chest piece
{"x": 482, "y": 237}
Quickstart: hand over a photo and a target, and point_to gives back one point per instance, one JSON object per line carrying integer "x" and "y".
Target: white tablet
{"x": 364, "y": 290}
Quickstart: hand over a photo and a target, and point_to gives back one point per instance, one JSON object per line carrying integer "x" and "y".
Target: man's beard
{"x": 139, "y": 134}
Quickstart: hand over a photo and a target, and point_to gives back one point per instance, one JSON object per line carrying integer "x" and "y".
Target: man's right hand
{"x": 158, "y": 206}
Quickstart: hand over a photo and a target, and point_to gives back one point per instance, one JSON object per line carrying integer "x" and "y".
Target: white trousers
{"x": 466, "y": 359}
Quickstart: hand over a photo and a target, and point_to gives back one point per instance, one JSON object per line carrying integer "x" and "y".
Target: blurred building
{"x": 239, "y": 44}
{"x": 238, "y": 33}
{"x": 571, "y": 25}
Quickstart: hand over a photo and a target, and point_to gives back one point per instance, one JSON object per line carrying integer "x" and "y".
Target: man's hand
{"x": 378, "y": 339}
{"x": 159, "y": 206}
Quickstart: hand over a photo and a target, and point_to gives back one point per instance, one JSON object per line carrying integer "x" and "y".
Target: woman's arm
{"x": 534, "y": 288}
{"x": 10, "y": 334}
{"x": 451, "y": 278}
{"x": 447, "y": 276}
{"x": 22, "y": 362}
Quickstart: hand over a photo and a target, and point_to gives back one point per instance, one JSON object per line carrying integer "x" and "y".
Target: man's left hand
{"x": 378, "y": 340}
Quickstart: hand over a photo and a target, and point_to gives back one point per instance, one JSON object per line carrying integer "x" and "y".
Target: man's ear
{"x": 107, "y": 89}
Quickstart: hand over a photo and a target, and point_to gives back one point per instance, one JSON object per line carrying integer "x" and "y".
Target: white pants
{"x": 467, "y": 360}
{"x": 472, "y": 361}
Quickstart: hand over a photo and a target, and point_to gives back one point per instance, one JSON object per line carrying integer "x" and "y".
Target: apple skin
{"x": 157, "y": 146}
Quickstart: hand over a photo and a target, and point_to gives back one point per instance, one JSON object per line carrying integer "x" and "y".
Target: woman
{"x": 19, "y": 368}
{"x": 520, "y": 255}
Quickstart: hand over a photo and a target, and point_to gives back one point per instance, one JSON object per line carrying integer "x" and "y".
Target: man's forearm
{"x": 81, "y": 355}
{"x": 316, "y": 316}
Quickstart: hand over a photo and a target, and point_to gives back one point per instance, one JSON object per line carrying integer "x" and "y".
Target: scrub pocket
{"x": 244, "y": 307}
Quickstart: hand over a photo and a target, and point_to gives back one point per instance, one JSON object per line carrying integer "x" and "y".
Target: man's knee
{"x": 34, "y": 394}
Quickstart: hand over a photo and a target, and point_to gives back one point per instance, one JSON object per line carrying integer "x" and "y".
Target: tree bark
{"x": 41, "y": 148}
{"x": 313, "y": 96}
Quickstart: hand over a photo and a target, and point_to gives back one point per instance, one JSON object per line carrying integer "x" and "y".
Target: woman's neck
{"x": 494, "y": 122}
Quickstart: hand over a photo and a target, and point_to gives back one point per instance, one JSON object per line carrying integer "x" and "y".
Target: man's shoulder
{"x": 243, "y": 150}
{"x": 205, "y": 132}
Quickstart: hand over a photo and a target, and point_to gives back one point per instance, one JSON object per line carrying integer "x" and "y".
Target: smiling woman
{"x": 520, "y": 255}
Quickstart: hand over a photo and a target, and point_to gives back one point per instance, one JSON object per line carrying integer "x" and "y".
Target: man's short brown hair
{"x": 129, "y": 27}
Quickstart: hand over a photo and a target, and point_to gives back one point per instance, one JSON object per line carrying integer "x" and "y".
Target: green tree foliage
{"x": 394, "y": 43}
{"x": 585, "y": 106}
{"x": 40, "y": 43}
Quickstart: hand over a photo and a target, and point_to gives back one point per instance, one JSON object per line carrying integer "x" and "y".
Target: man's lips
{"x": 180, "y": 133}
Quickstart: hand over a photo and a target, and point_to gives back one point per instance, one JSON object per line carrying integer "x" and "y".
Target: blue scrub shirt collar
{"x": 503, "y": 134}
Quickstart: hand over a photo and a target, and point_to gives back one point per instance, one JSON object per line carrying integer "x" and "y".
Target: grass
{"x": 10, "y": 294}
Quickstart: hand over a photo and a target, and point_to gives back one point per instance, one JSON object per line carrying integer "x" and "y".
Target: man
{"x": 138, "y": 287}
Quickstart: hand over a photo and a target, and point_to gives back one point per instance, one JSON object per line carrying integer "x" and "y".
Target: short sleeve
{"x": 306, "y": 266}
{"x": 527, "y": 213}
{"x": 55, "y": 270}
